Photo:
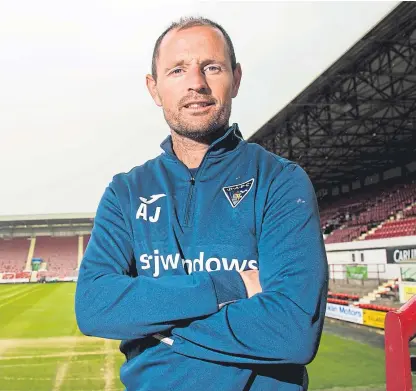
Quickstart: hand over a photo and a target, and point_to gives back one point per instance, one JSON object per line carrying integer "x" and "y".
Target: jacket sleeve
{"x": 283, "y": 323}
{"x": 109, "y": 303}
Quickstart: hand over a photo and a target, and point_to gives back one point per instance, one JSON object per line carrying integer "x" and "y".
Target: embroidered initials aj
{"x": 142, "y": 211}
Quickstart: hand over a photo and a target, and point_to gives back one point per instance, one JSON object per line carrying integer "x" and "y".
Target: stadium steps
{"x": 372, "y": 230}
{"x": 400, "y": 213}
{"x": 28, "y": 267}
{"x": 376, "y": 293}
{"x": 412, "y": 205}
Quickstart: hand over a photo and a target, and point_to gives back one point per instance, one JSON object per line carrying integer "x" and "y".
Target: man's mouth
{"x": 198, "y": 105}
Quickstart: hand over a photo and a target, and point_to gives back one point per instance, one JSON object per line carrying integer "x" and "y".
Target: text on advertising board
{"x": 374, "y": 318}
{"x": 401, "y": 254}
{"x": 409, "y": 291}
{"x": 343, "y": 312}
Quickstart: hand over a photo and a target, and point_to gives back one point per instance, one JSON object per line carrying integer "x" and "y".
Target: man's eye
{"x": 212, "y": 68}
{"x": 176, "y": 71}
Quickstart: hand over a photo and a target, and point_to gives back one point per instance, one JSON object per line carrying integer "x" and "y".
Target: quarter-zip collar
{"x": 224, "y": 144}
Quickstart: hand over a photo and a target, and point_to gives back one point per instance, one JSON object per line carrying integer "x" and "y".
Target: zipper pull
{"x": 192, "y": 181}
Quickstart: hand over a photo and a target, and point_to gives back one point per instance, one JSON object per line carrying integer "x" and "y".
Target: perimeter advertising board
{"x": 401, "y": 254}
{"x": 374, "y": 318}
{"x": 343, "y": 312}
{"x": 409, "y": 290}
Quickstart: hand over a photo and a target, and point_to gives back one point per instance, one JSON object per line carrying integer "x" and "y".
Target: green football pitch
{"x": 41, "y": 349}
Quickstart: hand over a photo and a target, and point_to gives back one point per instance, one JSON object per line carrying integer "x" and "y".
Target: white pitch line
{"x": 4, "y": 347}
{"x": 63, "y": 368}
{"x": 109, "y": 366}
{"x": 16, "y": 288}
{"x": 50, "y": 341}
{"x": 17, "y": 298}
{"x": 10, "y": 378}
{"x": 85, "y": 360}
{"x": 16, "y": 292}
{"x": 60, "y": 376}
{"x": 68, "y": 354}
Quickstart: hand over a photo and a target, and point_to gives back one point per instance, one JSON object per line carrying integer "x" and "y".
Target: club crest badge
{"x": 236, "y": 193}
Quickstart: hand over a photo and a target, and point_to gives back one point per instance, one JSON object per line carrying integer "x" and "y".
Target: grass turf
{"x": 41, "y": 349}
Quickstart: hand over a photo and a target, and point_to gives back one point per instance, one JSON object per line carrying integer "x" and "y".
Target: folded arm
{"x": 109, "y": 303}
{"x": 282, "y": 324}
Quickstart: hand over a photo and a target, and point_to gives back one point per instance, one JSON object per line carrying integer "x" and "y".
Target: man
{"x": 207, "y": 261}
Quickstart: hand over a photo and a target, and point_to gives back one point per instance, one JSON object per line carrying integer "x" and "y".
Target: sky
{"x": 74, "y": 107}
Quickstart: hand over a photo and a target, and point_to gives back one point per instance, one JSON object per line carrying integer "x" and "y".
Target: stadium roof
{"x": 359, "y": 117}
{"x": 46, "y": 219}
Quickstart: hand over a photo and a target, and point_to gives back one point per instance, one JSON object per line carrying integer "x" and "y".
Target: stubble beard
{"x": 201, "y": 129}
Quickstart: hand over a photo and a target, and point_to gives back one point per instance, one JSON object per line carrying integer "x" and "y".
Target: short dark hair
{"x": 188, "y": 22}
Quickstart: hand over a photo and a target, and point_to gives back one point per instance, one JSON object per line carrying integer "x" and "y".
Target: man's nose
{"x": 196, "y": 80}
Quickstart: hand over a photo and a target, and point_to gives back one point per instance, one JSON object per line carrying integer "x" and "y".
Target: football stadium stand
{"x": 353, "y": 131}
{"x": 59, "y": 253}
{"x": 378, "y": 213}
{"x": 13, "y": 254}
{"x": 57, "y": 242}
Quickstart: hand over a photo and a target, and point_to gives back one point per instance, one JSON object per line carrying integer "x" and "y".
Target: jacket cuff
{"x": 229, "y": 286}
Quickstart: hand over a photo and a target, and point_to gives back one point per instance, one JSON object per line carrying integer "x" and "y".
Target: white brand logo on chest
{"x": 142, "y": 212}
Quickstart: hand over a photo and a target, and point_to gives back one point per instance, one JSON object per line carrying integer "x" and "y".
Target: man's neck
{"x": 191, "y": 152}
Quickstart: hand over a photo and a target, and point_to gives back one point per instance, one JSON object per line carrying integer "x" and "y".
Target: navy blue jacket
{"x": 161, "y": 269}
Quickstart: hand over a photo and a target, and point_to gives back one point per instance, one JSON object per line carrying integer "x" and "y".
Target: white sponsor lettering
{"x": 252, "y": 264}
{"x": 342, "y": 312}
{"x": 142, "y": 212}
{"x": 156, "y": 263}
{"x": 200, "y": 262}
{"x": 174, "y": 261}
{"x": 404, "y": 255}
{"x": 144, "y": 258}
{"x": 155, "y": 218}
{"x": 235, "y": 264}
{"x": 170, "y": 260}
{"x": 217, "y": 261}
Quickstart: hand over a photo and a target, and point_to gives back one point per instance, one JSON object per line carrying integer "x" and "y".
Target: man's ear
{"x": 237, "y": 74}
{"x": 151, "y": 86}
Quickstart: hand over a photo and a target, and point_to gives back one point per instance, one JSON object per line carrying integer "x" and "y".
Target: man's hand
{"x": 251, "y": 281}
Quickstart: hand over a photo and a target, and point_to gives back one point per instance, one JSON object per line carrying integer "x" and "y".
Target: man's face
{"x": 195, "y": 82}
